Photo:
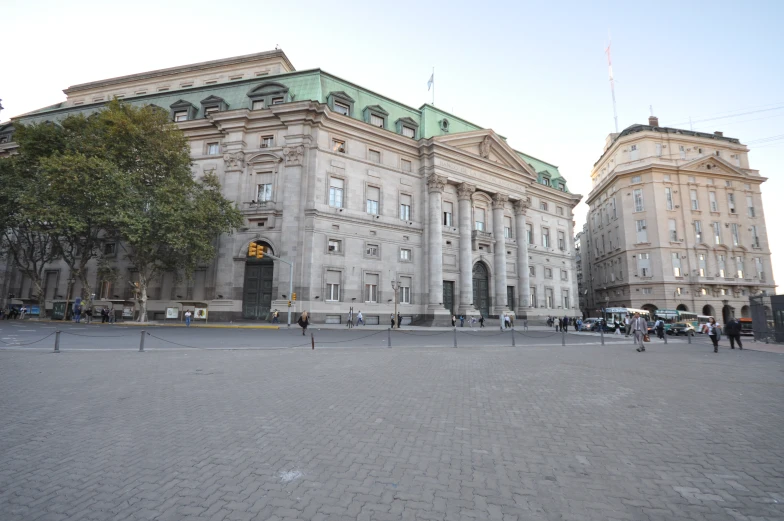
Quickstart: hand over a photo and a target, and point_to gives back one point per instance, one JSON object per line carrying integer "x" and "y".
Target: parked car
{"x": 651, "y": 327}
{"x": 681, "y": 328}
{"x": 588, "y": 324}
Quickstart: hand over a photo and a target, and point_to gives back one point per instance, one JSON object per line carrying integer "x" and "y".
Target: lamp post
{"x": 395, "y": 287}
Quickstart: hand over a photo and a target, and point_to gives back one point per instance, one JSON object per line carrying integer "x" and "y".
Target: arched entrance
{"x": 257, "y": 288}
{"x": 650, "y": 308}
{"x": 481, "y": 289}
{"x": 745, "y": 312}
{"x": 682, "y": 307}
{"x": 708, "y": 311}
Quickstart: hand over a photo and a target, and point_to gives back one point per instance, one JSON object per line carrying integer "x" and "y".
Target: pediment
{"x": 264, "y": 157}
{"x": 487, "y": 145}
{"x": 181, "y": 104}
{"x": 712, "y": 165}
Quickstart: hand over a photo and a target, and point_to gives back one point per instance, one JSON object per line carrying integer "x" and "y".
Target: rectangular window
{"x": 727, "y": 182}
{"x": 755, "y": 240}
{"x": 110, "y": 249}
{"x": 644, "y": 264}
{"x": 739, "y": 265}
{"x": 682, "y": 150}
{"x": 673, "y": 230}
{"x": 339, "y": 146}
{"x": 533, "y": 296}
{"x": 638, "y": 202}
{"x": 376, "y": 121}
{"x": 334, "y": 246}
{"x": 333, "y": 286}
{"x": 371, "y": 288}
{"x": 735, "y": 236}
{"x": 257, "y": 105}
{"x": 565, "y": 299}
{"x": 668, "y": 197}
{"x": 642, "y": 231}
{"x": 676, "y": 264}
{"x": 277, "y": 101}
{"x": 562, "y": 241}
{"x": 731, "y": 202}
{"x": 714, "y": 205}
{"x": 507, "y": 227}
{"x": 658, "y": 149}
{"x": 409, "y": 132}
{"x": 447, "y": 213}
{"x": 373, "y": 196}
{"x": 716, "y": 233}
{"x": 548, "y": 292}
{"x": 698, "y": 231}
{"x": 614, "y": 209}
{"x": 529, "y": 233}
{"x": 340, "y": 108}
{"x": 213, "y": 149}
{"x": 211, "y": 82}
{"x": 722, "y": 266}
{"x": 405, "y": 207}
{"x": 703, "y": 264}
{"x": 267, "y": 141}
{"x": 750, "y": 205}
{"x": 691, "y": 179}
{"x": 405, "y": 290}
{"x": 532, "y": 271}
{"x": 546, "y": 237}
{"x": 479, "y": 219}
{"x": 667, "y": 177}
{"x": 211, "y": 110}
{"x": 695, "y": 205}
{"x": 374, "y": 156}
{"x": 636, "y": 179}
{"x": 405, "y": 165}
{"x": 336, "y": 192}
{"x": 181, "y": 116}
{"x": 559, "y": 210}
{"x": 265, "y": 192}
{"x": 564, "y": 275}
{"x": 647, "y": 291}
{"x": 543, "y": 206}
{"x": 759, "y": 267}
{"x": 548, "y": 273}
{"x": 371, "y": 250}
{"x": 405, "y": 254}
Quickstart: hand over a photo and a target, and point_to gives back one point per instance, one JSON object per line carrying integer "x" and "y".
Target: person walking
{"x": 350, "y": 319}
{"x": 639, "y": 328}
{"x": 462, "y": 320}
{"x": 392, "y": 320}
{"x": 481, "y": 320}
{"x": 732, "y": 328}
{"x": 359, "y": 318}
{"x": 23, "y": 312}
{"x": 303, "y": 322}
{"x": 89, "y": 314}
{"x": 275, "y": 317}
{"x": 104, "y": 315}
{"x": 188, "y": 316}
{"x": 578, "y": 325}
{"x": 627, "y": 324}
{"x": 454, "y": 320}
{"x": 660, "y": 329}
{"x": 712, "y": 329}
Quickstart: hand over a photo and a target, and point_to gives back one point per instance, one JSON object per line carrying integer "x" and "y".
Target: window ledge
{"x": 642, "y": 243}
{"x": 715, "y": 213}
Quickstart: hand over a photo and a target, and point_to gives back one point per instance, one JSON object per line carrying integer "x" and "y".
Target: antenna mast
{"x": 612, "y": 85}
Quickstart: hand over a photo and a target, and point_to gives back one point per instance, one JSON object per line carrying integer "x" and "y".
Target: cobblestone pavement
{"x": 497, "y": 433}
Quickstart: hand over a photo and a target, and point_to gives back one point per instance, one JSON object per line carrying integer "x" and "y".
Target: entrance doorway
{"x": 257, "y": 289}
{"x": 449, "y": 296}
{"x": 481, "y": 291}
{"x": 726, "y": 313}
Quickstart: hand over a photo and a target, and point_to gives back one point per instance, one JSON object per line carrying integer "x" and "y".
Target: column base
{"x": 437, "y": 316}
{"x": 522, "y": 313}
{"x": 500, "y": 311}
{"x": 468, "y": 311}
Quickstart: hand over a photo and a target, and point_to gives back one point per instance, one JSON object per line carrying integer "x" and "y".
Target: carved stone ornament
{"x": 465, "y": 191}
{"x": 521, "y": 206}
{"x": 499, "y": 200}
{"x": 484, "y": 147}
{"x": 234, "y": 161}
{"x": 436, "y": 183}
{"x": 294, "y": 155}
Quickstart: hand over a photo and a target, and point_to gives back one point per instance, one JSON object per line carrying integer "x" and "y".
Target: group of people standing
{"x": 639, "y": 329}
{"x": 13, "y": 313}
{"x": 563, "y": 323}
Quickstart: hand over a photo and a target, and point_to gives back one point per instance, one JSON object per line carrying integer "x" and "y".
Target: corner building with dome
{"x": 358, "y": 190}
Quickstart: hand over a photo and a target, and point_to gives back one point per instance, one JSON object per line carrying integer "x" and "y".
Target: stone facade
{"x": 675, "y": 222}
{"x": 359, "y": 191}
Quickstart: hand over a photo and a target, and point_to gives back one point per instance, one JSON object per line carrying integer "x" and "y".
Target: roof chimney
{"x": 653, "y": 121}
{"x": 718, "y": 134}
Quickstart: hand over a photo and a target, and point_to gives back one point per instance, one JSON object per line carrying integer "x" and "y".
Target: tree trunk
{"x": 39, "y": 292}
{"x": 142, "y": 298}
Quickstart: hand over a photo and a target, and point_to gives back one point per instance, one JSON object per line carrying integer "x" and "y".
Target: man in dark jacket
{"x": 732, "y": 328}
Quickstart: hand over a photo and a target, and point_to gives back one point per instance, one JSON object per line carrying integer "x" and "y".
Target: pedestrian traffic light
{"x": 293, "y": 296}
{"x": 260, "y": 251}
{"x": 252, "y": 249}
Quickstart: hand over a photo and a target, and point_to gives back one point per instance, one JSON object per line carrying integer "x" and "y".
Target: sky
{"x": 535, "y": 72}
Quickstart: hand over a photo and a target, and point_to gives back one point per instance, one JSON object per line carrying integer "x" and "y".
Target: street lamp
{"x": 395, "y": 287}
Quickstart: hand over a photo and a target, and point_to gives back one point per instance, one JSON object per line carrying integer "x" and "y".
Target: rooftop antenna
{"x": 612, "y": 83}
{"x": 651, "y": 109}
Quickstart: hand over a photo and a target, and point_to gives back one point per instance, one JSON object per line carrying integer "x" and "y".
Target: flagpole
{"x": 434, "y": 86}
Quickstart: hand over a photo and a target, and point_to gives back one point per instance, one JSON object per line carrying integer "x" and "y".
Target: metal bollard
{"x": 141, "y": 342}
{"x": 454, "y": 330}
{"x": 601, "y": 333}
{"x": 689, "y": 337}
{"x": 563, "y": 338}
{"x": 389, "y": 337}
{"x": 312, "y": 342}
{"x": 513, "y": 337}
{"x": 56, "y": 341}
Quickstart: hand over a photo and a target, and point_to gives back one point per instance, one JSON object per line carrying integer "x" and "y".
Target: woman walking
{"x": 303, "y": 321}
{"x": 713, "y": 332}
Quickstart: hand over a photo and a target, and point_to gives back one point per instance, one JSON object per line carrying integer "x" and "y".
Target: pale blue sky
{"x": 534, "y": 72}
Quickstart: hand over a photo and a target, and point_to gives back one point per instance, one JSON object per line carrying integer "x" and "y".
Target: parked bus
{"x": 701, "y": 320}
{"x": 745, "y": 327}
{"x": 619, "y": 314}
{"x": 687, "y": 316}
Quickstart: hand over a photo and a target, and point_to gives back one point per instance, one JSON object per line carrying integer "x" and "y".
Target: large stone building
{"x": 357, "y": 189}
{"x": 675, "y": 222}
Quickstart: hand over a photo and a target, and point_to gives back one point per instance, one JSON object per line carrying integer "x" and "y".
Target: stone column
{"x": 435, "y": 272}
{"x": 499, "y": 254}
{"x": 464, "y": 193}
{"x": 523, "y": 275}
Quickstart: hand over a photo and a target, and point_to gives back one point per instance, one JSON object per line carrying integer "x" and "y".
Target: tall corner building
{"x": 357, "y": 189}
{"x": 675, "y": 222}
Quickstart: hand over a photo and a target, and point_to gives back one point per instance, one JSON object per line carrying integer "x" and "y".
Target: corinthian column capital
{"x": 436, "y": 183}
{"x": 465, "y": 191}
{"x": 499, "y": 201}
{"x": 521, "y": 206}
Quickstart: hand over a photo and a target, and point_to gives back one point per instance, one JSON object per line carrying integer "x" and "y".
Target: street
{"x": 265, "y": 428}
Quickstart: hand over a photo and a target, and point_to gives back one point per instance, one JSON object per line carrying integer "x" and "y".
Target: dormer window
{"x": 376, "y": 121}
{"x": 277, "y": 101}
{"x": 409, "y": 132}
{"x": 268, "y": 94}
{"x": 340, "y": 102}
{"x": 257, "y": 105}
{"x": 181, "y": 116}
{"x": 376, "y": 116}
{"x": 213, "y": 104}
{"x": 182, "y": 110}
{"x": 340, "y": 108}
{"x": 407, "y": 127}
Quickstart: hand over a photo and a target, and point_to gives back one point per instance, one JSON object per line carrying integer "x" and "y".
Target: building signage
{"x": 172, "y": 312}
{"x": 200, "y": 313}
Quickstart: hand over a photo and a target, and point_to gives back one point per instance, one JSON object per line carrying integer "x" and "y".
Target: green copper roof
{"x": 315, "y": 85}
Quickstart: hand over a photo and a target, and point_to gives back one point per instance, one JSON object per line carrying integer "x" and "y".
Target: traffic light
{"x": 252, "y": 250}
{"x": 293, "y": 296}
{"x": 260, "y": 252}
